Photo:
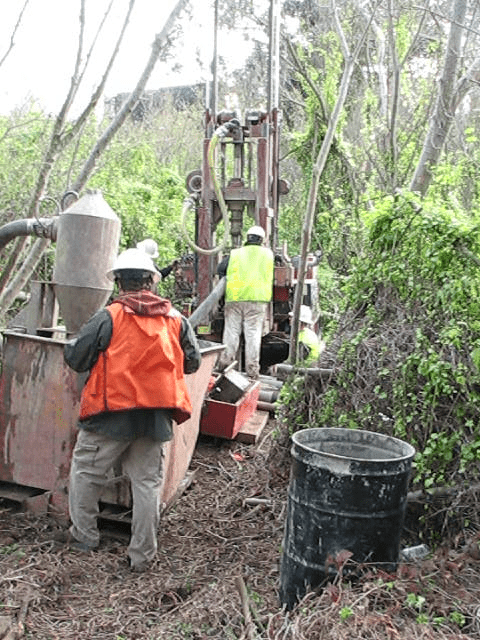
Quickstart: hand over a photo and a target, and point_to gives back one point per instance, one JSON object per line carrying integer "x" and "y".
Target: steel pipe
{"x": 202, "y": 312}
{"x": 266, "y": 406}
{"x": 42, "y": 227}
{"x": 270, "y": 381}
{"x": 266, "y": 395}
{"x": 287, "y": 369}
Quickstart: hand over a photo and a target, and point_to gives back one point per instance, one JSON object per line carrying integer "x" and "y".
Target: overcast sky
{"x": 40, "y": 64}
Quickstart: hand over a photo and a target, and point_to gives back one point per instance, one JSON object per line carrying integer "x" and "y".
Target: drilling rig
{"x": 239, "y": 186}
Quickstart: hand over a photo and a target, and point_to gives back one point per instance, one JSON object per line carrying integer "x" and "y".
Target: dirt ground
{"x": 217, "y": 572}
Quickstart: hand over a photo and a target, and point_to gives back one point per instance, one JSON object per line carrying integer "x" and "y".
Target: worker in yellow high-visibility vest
{"x": 310, "y": 345}
{"x": 249, "y": 289}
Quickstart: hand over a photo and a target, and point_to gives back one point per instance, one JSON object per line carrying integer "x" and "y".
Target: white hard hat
{"x": 305, "y": 314}
{"x": 149, "y": 246}
{"x": 132, "y": 259}
{"x": 256, "y": 231}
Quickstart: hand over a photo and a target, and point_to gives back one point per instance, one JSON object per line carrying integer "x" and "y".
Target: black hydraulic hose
{"x": 42, "y": 227}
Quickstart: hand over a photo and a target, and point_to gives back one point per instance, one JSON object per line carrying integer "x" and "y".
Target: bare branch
{"x": 380, "y": 66}
{"x": 80, "y": 122}
{"x": 395, "y": 93}
{"x": 96, "y": 36}
{"x": 458, "y": 23}
{"x": 303, "y": 72}
{"x": 55, "y": 140}
{"x": 160, "y": 43}
{"x": 443, "y": 114}
{"x": 15, "y": 29}
{"x": 341, "y": 35}
{"x": 316, "y": 175}
{"x": 13, "y": 260}
{"x": 470, "y": 77}
{"x": 415, "y": 37}
{"x": 74, "y": 83}
{"x": 59, "y": 139}
{"x": 10, "y": 292}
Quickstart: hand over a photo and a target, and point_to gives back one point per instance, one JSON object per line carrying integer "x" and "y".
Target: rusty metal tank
{"x": 88, "y": 235}
{"x": 39, "y": 406}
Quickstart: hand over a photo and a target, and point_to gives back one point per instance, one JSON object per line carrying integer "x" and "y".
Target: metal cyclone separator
{"x": 348, "y": 491}
{"x": 88, "y": 235}
{"x": 39, "y": 393}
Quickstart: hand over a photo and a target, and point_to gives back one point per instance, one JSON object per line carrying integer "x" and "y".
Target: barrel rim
{"x": 409, "y": 449}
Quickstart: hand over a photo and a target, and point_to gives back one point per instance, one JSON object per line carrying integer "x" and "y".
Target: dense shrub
{"x": 405, "y": 353}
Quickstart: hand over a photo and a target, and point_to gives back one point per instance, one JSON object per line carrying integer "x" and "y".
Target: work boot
{"x": 65, "y": 538}
{"x": 142, "y": 567}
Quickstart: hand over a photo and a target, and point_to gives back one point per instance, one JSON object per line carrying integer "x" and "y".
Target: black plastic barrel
{"x": 348, "y": 491}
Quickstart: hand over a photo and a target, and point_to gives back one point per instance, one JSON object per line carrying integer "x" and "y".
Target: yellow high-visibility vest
{"x": 250, "y": 274}
{"x": 309, "y": 338}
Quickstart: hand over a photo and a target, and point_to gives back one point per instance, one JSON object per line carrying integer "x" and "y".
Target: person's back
{"x": 249, "y": 289}
{"x": 144, "y": 355}
{"x": 137, "y": 351}
{"x": 250, "y": 274}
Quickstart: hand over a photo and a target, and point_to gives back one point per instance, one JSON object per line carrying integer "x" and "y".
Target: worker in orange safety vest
{"x": 137, "y": 351}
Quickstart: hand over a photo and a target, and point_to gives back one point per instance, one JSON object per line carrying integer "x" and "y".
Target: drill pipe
{"x": 201, "y": 313}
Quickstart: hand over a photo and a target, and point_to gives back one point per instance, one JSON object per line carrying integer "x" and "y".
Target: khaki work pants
{"x": 142, "y": 460}
{"x": 246, "y": 318}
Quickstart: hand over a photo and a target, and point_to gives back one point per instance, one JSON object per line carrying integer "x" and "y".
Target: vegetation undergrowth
{"x": 405, "y": 353}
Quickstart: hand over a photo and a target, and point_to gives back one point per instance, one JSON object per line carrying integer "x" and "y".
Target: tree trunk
{"x": 442, "y": 118}
{"x": 350, "y": 60}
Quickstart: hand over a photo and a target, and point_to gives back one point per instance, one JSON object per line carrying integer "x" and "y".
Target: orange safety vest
{"x": 141, "y": 368}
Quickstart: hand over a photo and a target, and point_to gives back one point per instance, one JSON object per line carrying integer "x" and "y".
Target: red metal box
{"x": 223, "y": 419}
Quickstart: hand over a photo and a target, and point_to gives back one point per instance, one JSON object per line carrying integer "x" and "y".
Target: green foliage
{"x": 345, "y": 613}
{"x": 142, "y": 177}
{"x": 23, "y": 138}
{"x": 292, "y": 393}
{"x": 458, "y": 618}
{"x": 148, "y": 202}
{"x": 407, "y": 348}
{"x": 13, "y": 549}
{"x": 332, "y": 59}
{"x": 403, "y": 34}
{"x": 138, "y": 175}
{"x": 290, "y": 228}
{"x": 456, "y": 180}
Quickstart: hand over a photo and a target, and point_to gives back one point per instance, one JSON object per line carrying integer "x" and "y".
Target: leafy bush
{"x": 405, "y": 352}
